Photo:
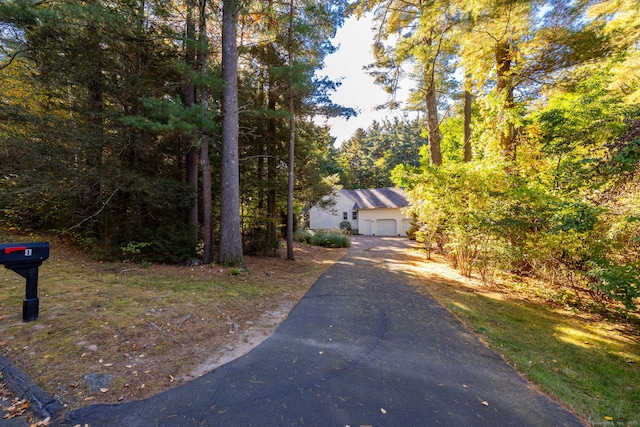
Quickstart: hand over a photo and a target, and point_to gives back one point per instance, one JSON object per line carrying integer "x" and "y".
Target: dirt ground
{"x": 113, "y": 332}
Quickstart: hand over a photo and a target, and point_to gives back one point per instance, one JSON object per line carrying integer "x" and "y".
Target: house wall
{"x": 370, "y": 221}
{"x": 331, "y": 218}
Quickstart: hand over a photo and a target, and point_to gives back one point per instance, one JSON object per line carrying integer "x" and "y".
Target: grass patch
{"x": 150, "y": 327}
{"x": 588, "y": 362}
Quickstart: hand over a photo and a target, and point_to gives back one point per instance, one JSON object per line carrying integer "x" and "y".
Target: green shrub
{"x": 345, "y": 227}
{"x": 132, "y": 250}
{"x": 256, "y": 243}
{"x": 303, "y": 236}
{"x": 620, "y": 282}
{"x": 330, "y": 240}
{"x": 327, "y": 239}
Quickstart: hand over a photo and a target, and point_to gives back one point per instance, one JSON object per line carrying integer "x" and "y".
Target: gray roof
{"x": 375, "y": 198}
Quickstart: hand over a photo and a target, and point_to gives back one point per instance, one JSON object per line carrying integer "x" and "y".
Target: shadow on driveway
{"x": 362, "y": 348}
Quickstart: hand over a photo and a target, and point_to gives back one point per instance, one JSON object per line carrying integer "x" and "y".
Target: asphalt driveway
{"x": 362, "y": 348}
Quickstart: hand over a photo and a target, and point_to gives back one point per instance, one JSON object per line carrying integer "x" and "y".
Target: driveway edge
{"x": 43, "y": 405}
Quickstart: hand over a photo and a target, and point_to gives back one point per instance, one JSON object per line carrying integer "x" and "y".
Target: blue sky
{"x": 358, "y": 90}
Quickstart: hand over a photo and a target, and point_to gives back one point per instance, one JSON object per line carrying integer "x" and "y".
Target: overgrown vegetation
{"x": 111, "y": 111}
{"x": 489, "y": 219}
{"x": 536, "y": 172}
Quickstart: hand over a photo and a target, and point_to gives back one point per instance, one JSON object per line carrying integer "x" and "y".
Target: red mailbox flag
{"x": 14, "y": 249}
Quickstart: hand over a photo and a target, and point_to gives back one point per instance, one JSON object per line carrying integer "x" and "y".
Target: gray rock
{"x": 97, "y": 381}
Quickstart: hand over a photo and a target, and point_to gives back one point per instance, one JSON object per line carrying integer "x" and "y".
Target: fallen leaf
{"x": 18, "y": 407}
{"x": 485, "y": 403}
{"x": 42, "y": 423}
{"x": 608, "y": 418}
{"x": 104, "y": 390}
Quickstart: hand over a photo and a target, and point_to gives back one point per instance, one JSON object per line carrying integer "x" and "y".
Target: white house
{"x": 371, "y": 212}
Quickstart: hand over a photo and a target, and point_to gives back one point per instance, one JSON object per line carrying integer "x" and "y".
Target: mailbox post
{"x": 24, "y": 259}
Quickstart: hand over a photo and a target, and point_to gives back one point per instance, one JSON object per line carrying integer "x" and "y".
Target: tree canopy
{"x": 112, "y": 108}
{"x": 521, "y": 153}
{"x": 534, "y": 90}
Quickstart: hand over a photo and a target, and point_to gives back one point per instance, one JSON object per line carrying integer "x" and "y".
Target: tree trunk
{"x": 191, "y": 158}
{"x": 207, "y": 214}
{"x": 271, "y": 236}
{"x": 433, "y": 125}
{"x": 505, "y": 93}
{"x": 467, "y": 122}
{"x": 291, "y": 181}
{"x": 292, "y": 141}
{"x": 207, "y": 209}
{"x": 230, "y": 233}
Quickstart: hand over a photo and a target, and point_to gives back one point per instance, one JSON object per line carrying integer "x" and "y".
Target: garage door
{"x": 386, "y": 227}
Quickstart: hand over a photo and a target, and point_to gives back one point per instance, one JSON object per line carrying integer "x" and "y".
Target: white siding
{"x": 374, "y": 220}
{"x": 332, "y": 217}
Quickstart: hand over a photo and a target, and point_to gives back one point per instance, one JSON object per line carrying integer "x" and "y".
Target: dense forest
{"x": 124, "y": 127}
{"x": 172, "y": 128}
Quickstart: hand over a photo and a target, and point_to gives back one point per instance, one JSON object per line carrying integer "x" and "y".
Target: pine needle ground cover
{"x": 588, "y": 362}
{"x": 110, "y": 332}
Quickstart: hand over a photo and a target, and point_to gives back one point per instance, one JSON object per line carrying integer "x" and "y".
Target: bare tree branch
{"x": 12, "y": 58}
{"x": 104, "y": 205}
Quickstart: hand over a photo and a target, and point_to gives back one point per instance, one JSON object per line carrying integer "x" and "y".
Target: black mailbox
{"x": 24, "y": 259}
